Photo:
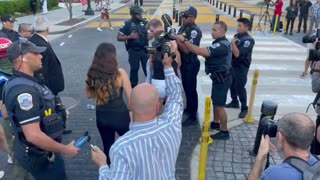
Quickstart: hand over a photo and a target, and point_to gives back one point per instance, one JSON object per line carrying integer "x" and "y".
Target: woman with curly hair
{"x": 105, "y": 84}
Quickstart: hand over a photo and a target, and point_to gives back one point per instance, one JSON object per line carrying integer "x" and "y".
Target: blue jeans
{"x": 273, "y": 22}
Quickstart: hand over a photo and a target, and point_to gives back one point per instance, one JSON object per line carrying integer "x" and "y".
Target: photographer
{"x": 155, "y": 74}
{"x": 294, "y": 135}
{"x": 311, "y": 58}
{"x": 217, "y": 64}
{"x": 242, "y": 45}
{"x": 315, "y": 146}
{"x": 277, "y": 12}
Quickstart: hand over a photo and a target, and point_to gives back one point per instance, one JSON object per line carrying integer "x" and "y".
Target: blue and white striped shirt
{"x": 149, "y": 150}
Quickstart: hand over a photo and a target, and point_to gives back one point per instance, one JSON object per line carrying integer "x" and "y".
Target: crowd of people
{"x": 150, "y": 124}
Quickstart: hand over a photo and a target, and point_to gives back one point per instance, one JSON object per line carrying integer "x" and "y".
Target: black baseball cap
{"x": 190, "y": 11}
{"x": 8, "y": 17}
{"x": 22, "y": 47}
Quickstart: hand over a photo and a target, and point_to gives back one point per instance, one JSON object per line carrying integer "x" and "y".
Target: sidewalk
{"x": 61, "y": 15}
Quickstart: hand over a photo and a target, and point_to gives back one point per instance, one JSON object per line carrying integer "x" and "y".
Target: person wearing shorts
{"x": 105, "y": 16}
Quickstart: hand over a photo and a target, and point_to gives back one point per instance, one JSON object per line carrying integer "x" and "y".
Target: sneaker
{"x": 243, "y": 113}
{"x": 190, "y": 122}
{"x": 1, "y": 174}
{"x": 111, "y": 28}
{"x": 215, "y": 126}
{"x": 221, "y": 135}
{"x": 232, "y": 104}
{"x": 99, "y": 29}
{"x": 10, "y": 159}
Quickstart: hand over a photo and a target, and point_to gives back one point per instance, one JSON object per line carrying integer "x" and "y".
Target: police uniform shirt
{"x": 139, "y": 27}
{"x": 10, "y": 34}
{"x": 193, "y": 34}
{"x": 23, "y": 101}
{"x": 218, "y": 53}
{"x": 245, "y": 46}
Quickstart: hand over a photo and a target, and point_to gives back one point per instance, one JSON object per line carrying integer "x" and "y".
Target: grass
{"x": 261, "y": 3}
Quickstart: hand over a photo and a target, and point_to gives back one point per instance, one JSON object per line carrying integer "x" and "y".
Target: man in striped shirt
{"x": 150, "y": 149}
{"x": 315, "y": 16}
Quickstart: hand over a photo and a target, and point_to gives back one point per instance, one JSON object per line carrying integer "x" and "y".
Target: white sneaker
{"x": 10, "y": 159}
{"x": 111, "y": 28}
{"x": 99, "y": 29}
{"x": 1, "y": 174}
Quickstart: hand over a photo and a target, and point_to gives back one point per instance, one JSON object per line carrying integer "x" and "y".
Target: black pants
{"x": 55, "y": 170}
{"x": 290, "y": 21}
{"x": 315, "y": 145}
{"x": 303, "y": 18}
{"x": 135, "y": 57}
{"x": 239, "y": 81}
{"x": 135, "y": 2}
{"x": 189, "y": 74}
{"x": 141, "y": 2}
{"x": 109, "y": 122}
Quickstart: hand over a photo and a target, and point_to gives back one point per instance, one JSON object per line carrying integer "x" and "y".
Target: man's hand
{"x": 133, "y": 35}
{"x": 71, "y": 150}
{"x": 264, "y": 147}
{"x": 234, "y": 40}
{"x": 98, "y": 156}
{"x": 167, "y": 61}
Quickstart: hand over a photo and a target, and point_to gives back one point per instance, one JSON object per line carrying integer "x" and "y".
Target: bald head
{"x": 144, "y": 100}
{"x": 298, "y": 130}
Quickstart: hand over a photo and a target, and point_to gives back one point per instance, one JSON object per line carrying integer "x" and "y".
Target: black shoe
{"x": 215, "y": 126}
{"x": 243, "y": 113}
{"x": 221, "y": 135}
{"x": 67, "y": 131}
{"x": 298, "y": 31}
{"x": 190, "y": 122}
{"x": 232, "y": 104}
{"x": 286, "y": 33}
{"x": 291, "y": 33}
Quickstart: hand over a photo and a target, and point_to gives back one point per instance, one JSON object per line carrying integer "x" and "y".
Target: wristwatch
{"x": 185, "y": 39}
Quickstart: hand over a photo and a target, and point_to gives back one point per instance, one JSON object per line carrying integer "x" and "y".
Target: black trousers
{"x": 290, "y": 21}
{"x": 55, "y": 170}
{"x": 135, "y": 2}
{"x": 141, "y": 2}
{"x": 109, "y": 122}
{"x": 135, "y": 57}
{"x": 315, "y": 145}
{"x": 239, "y": 81}
{"x": 303, "y": 18}
{"x": 189, "y": 74}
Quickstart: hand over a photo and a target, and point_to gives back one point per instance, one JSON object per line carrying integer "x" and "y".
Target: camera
{"x": 311, "y": 39}
{"x": 269, "y": 127}
{"x": 160, "y": 44}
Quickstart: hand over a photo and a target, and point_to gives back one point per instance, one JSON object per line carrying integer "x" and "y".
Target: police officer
{"x": 217, "y": 64}
{"x": 190, "y": 63}
{"x": 32, "y": 113}
{"x": 242, "y": 45}
{"x": 135, "y": 35}
{"x": 7, "y": 28}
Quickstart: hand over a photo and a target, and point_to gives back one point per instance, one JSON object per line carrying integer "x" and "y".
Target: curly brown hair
{"x": 103, "y": 74}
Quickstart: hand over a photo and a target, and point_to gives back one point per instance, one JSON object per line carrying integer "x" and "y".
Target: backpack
{"x": 309, "y": 172}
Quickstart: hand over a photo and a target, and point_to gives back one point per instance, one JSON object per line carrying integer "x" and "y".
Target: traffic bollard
{"x": 217, "y": 17}
{"x": 251, "y": 21}
{"x": 205, "y": 140}
{"x": 275, "y": 25}
{"x": 225, "y": 7}
{"x": 249, "y": 117}
{"x": 229, "y": 11}
{"x": 268, "y": 111}
{"x": 234, "y": 11}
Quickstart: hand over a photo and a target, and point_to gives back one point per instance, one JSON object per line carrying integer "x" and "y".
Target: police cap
{"x": 135, "y": 10}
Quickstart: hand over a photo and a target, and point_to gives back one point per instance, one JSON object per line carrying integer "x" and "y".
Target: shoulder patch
{"x": 215, "y": 45}
{"x": 25, "y": 101}
{"x": 246, "y": 44}
{"x": 194, "y": 34}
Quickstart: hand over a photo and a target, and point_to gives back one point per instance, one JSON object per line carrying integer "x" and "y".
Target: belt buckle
{"x": 52, "y": 158}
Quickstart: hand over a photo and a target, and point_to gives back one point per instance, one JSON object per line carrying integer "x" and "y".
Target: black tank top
{"x": 157, "y": 68}
{"x": 115, "y": 103}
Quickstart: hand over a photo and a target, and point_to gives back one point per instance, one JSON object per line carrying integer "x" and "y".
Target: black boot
{"x": 232, "y": 104}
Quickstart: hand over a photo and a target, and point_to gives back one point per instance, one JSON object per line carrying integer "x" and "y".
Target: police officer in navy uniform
{"x": 217, "y": 65}
{"x": 135, "y": 35}
{"x": 242, "y": 45}
{"x": 7, "y": 28}
{"x": 32, "y": 112}
{"x": 190, "y": 63}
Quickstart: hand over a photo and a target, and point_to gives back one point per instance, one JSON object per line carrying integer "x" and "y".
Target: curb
{"x": 85, "y": 21}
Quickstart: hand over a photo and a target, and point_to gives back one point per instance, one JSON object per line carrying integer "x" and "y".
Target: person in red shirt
{"x": 277, "y": 11}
